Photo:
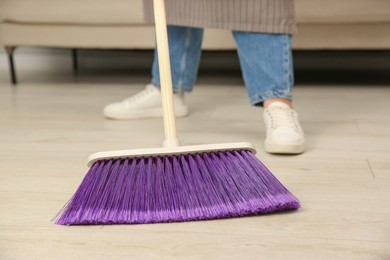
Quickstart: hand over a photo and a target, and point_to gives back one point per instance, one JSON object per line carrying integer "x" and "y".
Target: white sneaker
{"x": 145, "y": 104}
{"x": 284, "y": 133}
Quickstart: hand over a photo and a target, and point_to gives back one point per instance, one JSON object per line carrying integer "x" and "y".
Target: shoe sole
{"x": 286, "y": 148}
{"x": 149, "y": 113}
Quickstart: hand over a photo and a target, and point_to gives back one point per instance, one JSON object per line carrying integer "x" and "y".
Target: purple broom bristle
{"x": 176, "y": 188}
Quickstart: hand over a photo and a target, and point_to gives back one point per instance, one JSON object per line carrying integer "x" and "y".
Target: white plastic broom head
{"x": 174, "y": 150}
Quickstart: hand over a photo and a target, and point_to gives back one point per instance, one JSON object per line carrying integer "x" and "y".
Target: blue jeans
{"x": 265, "y": 59}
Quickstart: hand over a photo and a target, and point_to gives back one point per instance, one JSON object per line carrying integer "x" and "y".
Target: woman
{"x": 263, "y": 32}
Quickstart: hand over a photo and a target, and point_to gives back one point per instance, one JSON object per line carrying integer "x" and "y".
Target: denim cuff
{"x": 181, "y": 88}
{"x": 258, "y": 99}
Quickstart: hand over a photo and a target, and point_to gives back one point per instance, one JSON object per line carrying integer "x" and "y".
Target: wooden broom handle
{"x": 165, "y": 74}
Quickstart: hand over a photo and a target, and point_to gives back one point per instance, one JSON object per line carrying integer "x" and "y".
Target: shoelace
{"x": 282, "y": 117}
{"x": 141, "y": 94}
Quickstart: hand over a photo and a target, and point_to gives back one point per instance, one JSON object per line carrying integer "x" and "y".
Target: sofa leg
{"x": 10, "y": 51}
{"x": 75, "y": 60}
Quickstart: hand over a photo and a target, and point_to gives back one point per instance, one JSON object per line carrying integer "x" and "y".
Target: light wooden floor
{"x": 47, "y": 130}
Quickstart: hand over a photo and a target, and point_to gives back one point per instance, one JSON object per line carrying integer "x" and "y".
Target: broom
{"x": 174, "y": 183}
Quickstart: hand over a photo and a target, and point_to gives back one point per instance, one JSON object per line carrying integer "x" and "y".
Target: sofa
{"x": 119, "y": 24}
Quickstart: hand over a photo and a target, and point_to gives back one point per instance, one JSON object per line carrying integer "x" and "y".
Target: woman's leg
{"x": 185, "y": 52}
{"x": 267, "y": 67}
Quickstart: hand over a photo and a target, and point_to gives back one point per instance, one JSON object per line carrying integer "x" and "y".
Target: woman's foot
{"x": 145, "y": 104}
{"x": 284, "y": 135}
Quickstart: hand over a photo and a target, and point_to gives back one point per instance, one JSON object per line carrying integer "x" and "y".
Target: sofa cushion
{"x": 342, "y": 11}
{"x": 73, "y": 11}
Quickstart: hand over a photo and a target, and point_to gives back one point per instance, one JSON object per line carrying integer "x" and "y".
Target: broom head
{"x": 175, "y": 184}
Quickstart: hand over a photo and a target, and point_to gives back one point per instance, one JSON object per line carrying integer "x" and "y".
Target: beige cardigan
{"x": 267, "y": 16}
